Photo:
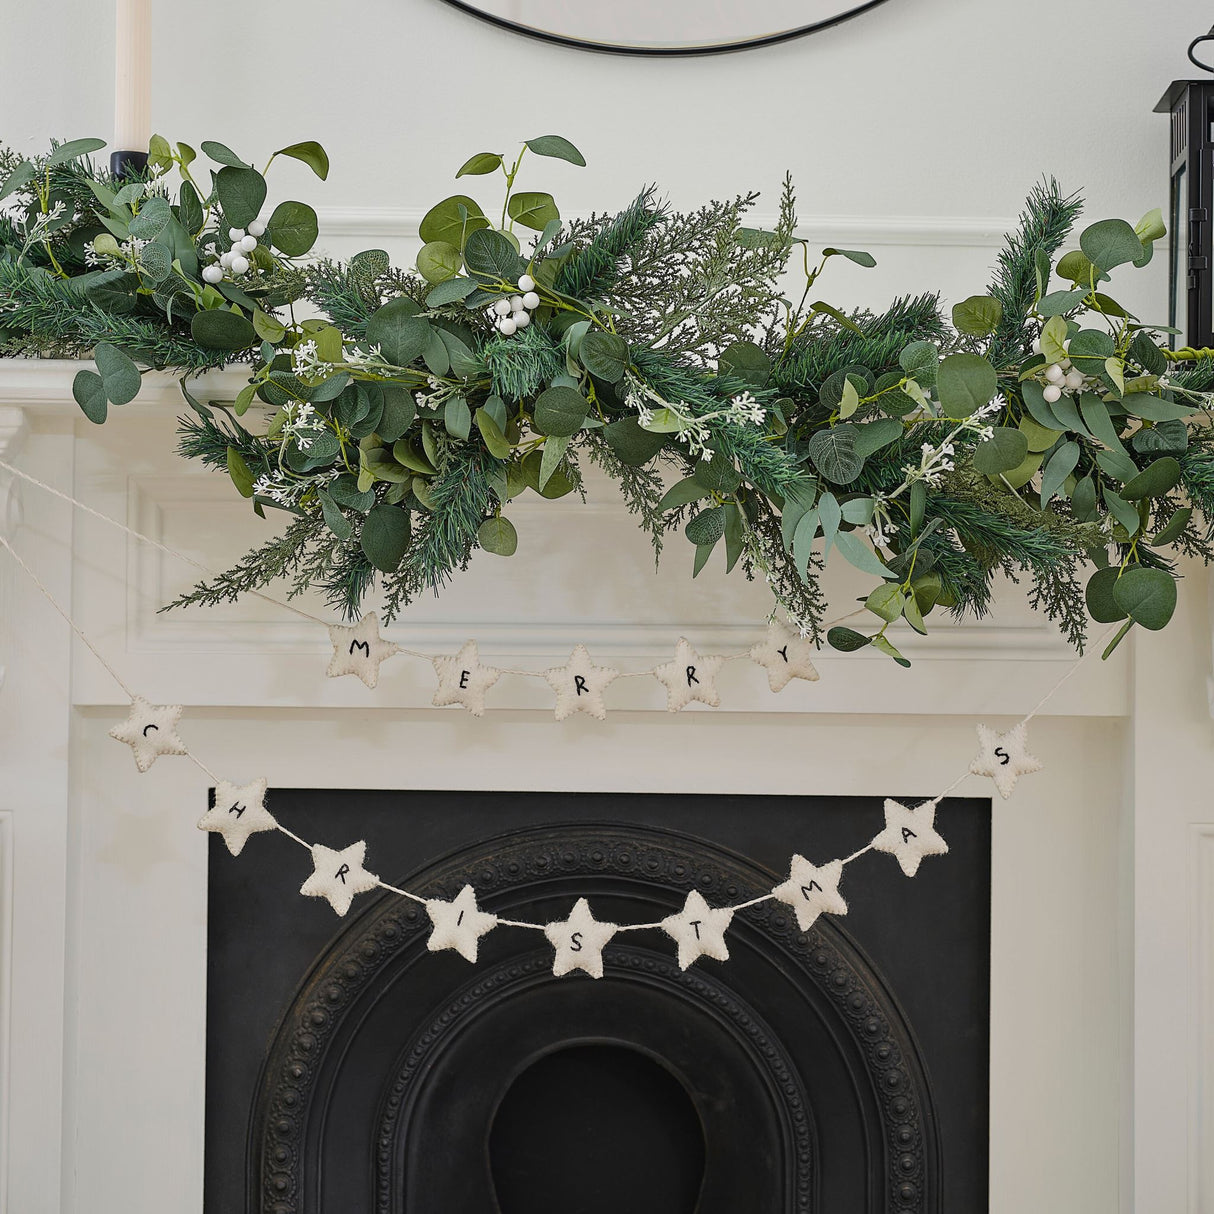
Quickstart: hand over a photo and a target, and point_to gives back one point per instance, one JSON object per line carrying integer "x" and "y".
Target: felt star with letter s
{"x": 463, "y": 680}
{"x": 150, "y": 730}
{"x": 359, "y": 650}
{"x": 699, "y": 930}
{"x": 339, "y": 875}
{"x": 689, "y": 677}
{"x": 458, "y": 924}
{"x": 786, "y": 654}
{"x": 910, "y": 834}
{"x": 579, "y": 941}
{"x": 812, "y": 890}
{"x": 239, "y": 811}
{"x": 1004, "y": 756}
{"x": 579, "y": 685}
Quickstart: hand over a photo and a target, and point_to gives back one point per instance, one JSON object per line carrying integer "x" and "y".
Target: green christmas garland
{"x": 1039, "y": 430}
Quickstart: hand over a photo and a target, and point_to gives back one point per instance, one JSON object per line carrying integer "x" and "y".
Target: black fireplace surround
{"x": 839, "y": 1071}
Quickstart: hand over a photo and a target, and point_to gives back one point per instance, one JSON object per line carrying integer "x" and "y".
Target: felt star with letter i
{"x": 150, "y": 730}
{"x": 1004, "y": 756}
{"x": 812, "y": 890}
{"x": 910, "y": 834}
{"x": 239, "y": 811}
{"x": 339, "y": 875}
{"x": 579, "y": 685}
{"x": 458, "y": 924}
{"x": 359, "y": 650}
{"x": 689, "y": 677}
{"x": 786, "y": 654}
{"x": 698, "y": 930}
{"x": 463, "y": 680}
{"x": 579, "y": 941}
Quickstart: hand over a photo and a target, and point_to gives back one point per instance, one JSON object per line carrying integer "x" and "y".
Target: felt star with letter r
{"x": 463, "y": 680}
{"x": 812, "y": 890}
{"x": 910, "y": 834}
{"x": 458, "y": 924}
{"x": 579, "y": 941}
{"x": 579, "y": 685}
{"x": 698, "y": 930}
{"x": 689, "y": 677}
{"x": 150, "y": 730}
{"x": 359, "y": 650}
{"x": 239, "y": 811}
{"x": 786, "y": 654}
{"x": 339, "y": 875}
{"x": 1004, "y": 756}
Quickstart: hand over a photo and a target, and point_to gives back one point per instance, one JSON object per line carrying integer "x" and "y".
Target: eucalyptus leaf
{"x": 833, "y": 452}
{"x": 978, "y": 316}
{"x": 220, "y": 329}
{"x": 497, "y": 535}
{"x": 308, "y": 152}
{"x": 557, "y": 146}
{"x": 965, "y": 383}
{"x": 385, "y": 536}
{"x": 1147, "y": 595}
{"x": 604, "y": 355}
{"x": 292, "y": 228}
{"x": 560, "y": 411}
{"x": 241, "y": 193}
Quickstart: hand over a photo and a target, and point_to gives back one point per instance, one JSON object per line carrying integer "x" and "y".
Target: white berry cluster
{"x": 235, "y": 262}
{"x": 1061, "y": 376}
{"x": 510, "y": 315}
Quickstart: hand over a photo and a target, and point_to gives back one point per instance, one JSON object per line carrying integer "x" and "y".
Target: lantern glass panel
{"x": 1179, "y": 274}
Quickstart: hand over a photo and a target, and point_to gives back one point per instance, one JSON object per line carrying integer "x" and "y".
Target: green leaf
{"x": 553, "y": 455}
{"x": 886, "y": 601}
{"x": 457, "y": 417}
{"x": 74, "y": 149}
{"x": 978, "y": 316}
{"x": 452, "y": 220}
{"x": 451, "y": 291}
{"x": 1155, "y": 480}
{"x": 238, "y": 470}
{"x": 965, "y": 383}
{"x": 1117, "y": 464}
{"x": 334, "y": 519}
{"x": 920, "y": 360}
{"x": 220, "y": 329}
{"x": 153, "y": 218}
{"x": 1053, "y": 339}
{"x": 399, "y": 331}
{"x": 803, "y": 541}
{"x": 918, "y": 505}
{"x": 491, "y": 432}
{"x": 1175, "y": 525}
{"x": 558, "y": 147}
{"x": 1039, "y": 437}
{"x": 1083, "y": 500}
{"x": 1122, "y": 511}
{"x": 1143, "y": 404}
{"x": 632, "y": 445}
{"x": 1096, "y": 418}
{"x": 745, "y": 361}
{"x": 478, "y": 165}
{"x": 718, "y": 474}
{"x": 1003, "y": 451}
{"x": 833, "y": 312}
{"x": 491, "y": 257}
{"x": 268, "y": 328}
{"x": 1110, "y": 243}
{"x": 1151, "y": 227}
{"x": 1058, "y": 302}
{"x": 154, "y": 262}
{"x": 1061, "y": 464}
{"x": 189, "y": 209}
{"x": 858, "y": 553}
{"x": 1147, "y": 596}
{"x": 1089, "y": 349}
{"x": 872, "y": 436}
{"x": 222, "y": 155}
{"x": 558, "y": 484}
{"x": 345, "y": 493}
{"x": 887, "y": 648}
{"x": 18, "y": 179}
{"x": 833, "y": 452}
{"x": 89, "y": 393}
{"x": 867, "y": 260}
{"x": 497, "y": 535}
{"x": 560, "y": 411}
{"x": 399, "y": 411}
{"x": 385, "y": 536}
{"x": 1075, "y": 267}
{"x": 850, "y": 400}
{"x": 1148, "y": 355}
{"x": 119, "y": 374}
{"x": 292, "y": 229}
{"x": 604, "y": 355}
{"x": 439, "y": 261}
{"x": 1101, "y": 602}
{"x": 533, "y": 209}
{"x": 706, "y": 527}
{"x": 847, "y": 640}
{"x": 242, "y": 194}
{"x": 310, "y": 153}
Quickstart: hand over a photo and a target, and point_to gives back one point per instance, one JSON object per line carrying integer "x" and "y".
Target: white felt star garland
{"x": 150, "y": 730}
{"x": 339, "y": 875}
{"x": 786, "y": 655}
{"x": 689, "y": 677}
{"x": 910, "y": 834}
{"x": 458, "y": 924}
{"x": 239, "y": 811}
{"x": 579, "y": 941}
{"x": 812, "y": 890}
{"x": 579, "y": 685}
{"x": 1004, "y": 757}
{"x": 699, "y": 930}
{"x": 359, "y": 650}
{"x": 462, "y": 679}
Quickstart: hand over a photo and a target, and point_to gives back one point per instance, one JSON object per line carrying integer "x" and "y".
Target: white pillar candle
{"x": 133, "y": 76}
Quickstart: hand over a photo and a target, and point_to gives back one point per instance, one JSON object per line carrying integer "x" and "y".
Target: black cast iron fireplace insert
{"x": 351, "y": 1071}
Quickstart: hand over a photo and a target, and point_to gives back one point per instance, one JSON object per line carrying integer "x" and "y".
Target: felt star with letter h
{"x": 812, "y": 890}
{"x": 150, "y": 730}
{"x": 458, "y": 924}
{"x": 579, "y": 685}
{"x": 339, "y": 875}
{"x": 689, "y": 677}
{"x": 698, "y": 930}
{"x": 910, "y": 834}
{"x": 359, "y": 650}
{"x": 239, "y": 811}
{"x": 579, "y": 941}
{"x": 786, "y": 654}
{"x": 463, "y": 680}
{"x": 1004, "y": 756}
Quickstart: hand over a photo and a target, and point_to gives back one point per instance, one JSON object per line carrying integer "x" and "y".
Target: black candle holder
{"x": 128, "y": 164}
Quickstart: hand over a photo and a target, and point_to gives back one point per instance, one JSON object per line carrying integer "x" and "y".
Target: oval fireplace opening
{"x": 568, "y": 1120}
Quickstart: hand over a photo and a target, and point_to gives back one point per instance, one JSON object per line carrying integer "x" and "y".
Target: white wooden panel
{"x": 1201, "y": 937}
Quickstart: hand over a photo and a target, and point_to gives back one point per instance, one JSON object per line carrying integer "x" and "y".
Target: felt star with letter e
{"x": 812, "y": 890}
{"x": 359, "y": 650}
{"x": 579, "y": 941}
{"x": 1004, "y": 756}
{"x": 689, "y": 677}
{"x": 463, "y": 680}
{"x": 150, "y": 730}
{"x": 579, "y": 685}
{"x": 458, "y": 924}
{"x": 786, "y": 655}
{"x": 698, "y": 930}
{"x": 239, "y": 811}
{"x": 339, "y": 875}
{"x": 910, "y": 834}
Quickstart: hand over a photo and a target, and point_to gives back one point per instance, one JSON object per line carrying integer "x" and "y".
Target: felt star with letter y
{"x": 910, "y": 834}
{"x": 698, "y": 930}
{"x": 812, "y": 890}
{"x": 579, "y": 941}
{"x": 786, "y": 654}
{"x": 463, "y": 680}
{"x": 339, "y": 875}
{"x": 359, "y": 650}
{"x": 150, "y": 730}
{"x": 239, "y": 811}
{"x": 458, "y": 924}
{"x": 579, "y": 685}
{"x": 689, "y": 677}
{"x": 1004, "y": 756}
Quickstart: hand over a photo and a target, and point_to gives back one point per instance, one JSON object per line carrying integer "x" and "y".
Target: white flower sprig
{"x": 677, "y": 419}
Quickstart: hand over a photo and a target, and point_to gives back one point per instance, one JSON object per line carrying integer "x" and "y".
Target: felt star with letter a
{"x": 359, "y": 650}
{"x": 150, "y": 730}
{"x": 579, "y": 685}
{"x": 698, "y": 930}
{"x": 579, "y": 941}
{"x": 786, "y": 655}
{"x": 239, "y": 811}
{"x": 812, "y": 890}
{"x": 463, "y": 680}
{"x": 910, "y": 834}
{"x": 458, "y": 924}
{"x": 339, "y": 875}
{"x": 689, "y": 677}
{"x": 1004, "y": 756}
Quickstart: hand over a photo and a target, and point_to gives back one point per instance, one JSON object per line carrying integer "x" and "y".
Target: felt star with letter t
{"x": 1003, "y": 757}
{"x": 339, "y": 875}
{"x": 458, "y": 924}
{"x": 910, "y": 834}
{"x": 786, "y": 655}
{"x": 812, "y": 890}
{"x": 150, "y": 730}
{"x": 698, "y": 930}
{"x": 463, "y": 680}
{"x": 359, "y": 650}
{"x": 689, "y": 677}
{"x": 579, "y": 941}
{"x": 239, "y": 811}
{"x": 579, "y": 685}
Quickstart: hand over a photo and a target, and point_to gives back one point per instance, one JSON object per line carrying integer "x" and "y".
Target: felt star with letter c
{"x": 458, "y": 924}
{"x": 339, "y": 875}
{"x": 579, "y": 941}
{"x": 786, "y": 654}
{"x": 463, "y": 680}
{"x": 239, "y": 811}
{"x": 579, "y": 685}
{"x": 812, "y": 890}
{"x": 910, "y": 834}
{"x": 689, "y": 677}
{"x": 699, "y": 930}
{"x": 150, "y": 730}
{"x": 359, "y": 650}
{"x": 1003, "y": 757}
